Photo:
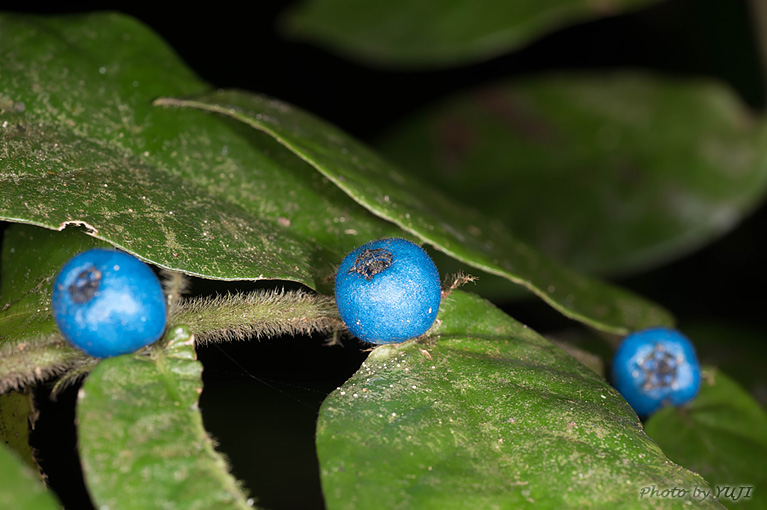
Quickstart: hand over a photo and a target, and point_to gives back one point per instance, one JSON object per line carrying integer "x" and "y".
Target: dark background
{"x": 261, "y": 398}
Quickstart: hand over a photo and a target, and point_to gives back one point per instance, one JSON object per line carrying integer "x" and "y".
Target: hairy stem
{"x": 218, "y": 319}
{"x": 258, "y": 314}
{"x": 27, "y": 363}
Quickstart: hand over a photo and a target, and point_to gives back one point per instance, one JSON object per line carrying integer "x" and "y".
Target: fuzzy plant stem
{"x": 27, "y": 363}
{"x": 217, "y": 319}
{"x": 258, "y": 314}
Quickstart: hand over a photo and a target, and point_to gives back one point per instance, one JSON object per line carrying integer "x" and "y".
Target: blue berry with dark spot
{"x": 654, "y": 368}
{"x": 388, "y": 291}
{"x": 107, "y": 303}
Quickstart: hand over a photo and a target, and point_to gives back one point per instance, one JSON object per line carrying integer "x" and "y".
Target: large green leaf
{"x": 31, "y": 347}
{"x": 608, "y": 172}
{"x": 484, "y": 413}
{"x": 141, "y": 437}
{"x": 82, "y": 145}
{"x": 722, "y": 435}
{"x": 461, "y": 233}
{"x": 438, "y": 33}
{"x": 20, "y": 487}
{"x": 204, "y": 195}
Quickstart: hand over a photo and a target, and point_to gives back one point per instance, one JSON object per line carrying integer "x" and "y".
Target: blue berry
{"x": 654, "y": 368}
{"x": 107, "y": 303}
{"x": 388, "y": 291}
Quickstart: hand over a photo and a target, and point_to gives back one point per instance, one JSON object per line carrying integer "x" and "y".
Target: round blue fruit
{"x": 107, "y": 303}
{"x": 654, "y": 368}
{"x": 388, "y": 291}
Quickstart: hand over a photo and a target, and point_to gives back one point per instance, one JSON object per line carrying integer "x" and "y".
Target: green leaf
{"x": 437, "y": 33}
{"x": 31, "y": 259}
{"x": 20, "y": 487}
{"x": 485, "y": 413}
{"x": 610, "y": 172}
{"x": 461, "y": 233}
{"x": 31, "y": 346}
{"x": 17, "y": 415}
{"x": 202, "y": 195}
{"x": 82, "y": 145}
{"x": 722, "y": 435}
{"x": 141, "y": 437}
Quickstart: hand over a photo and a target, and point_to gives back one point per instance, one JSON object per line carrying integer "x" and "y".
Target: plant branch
{"x": 218, "y": 319}
{"x": 26, "y": 363}
{"x": 257, "y": 314}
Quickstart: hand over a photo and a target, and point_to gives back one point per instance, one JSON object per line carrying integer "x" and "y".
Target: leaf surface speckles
{"x": 183, "y": 190}
{"x": 460, "y": 232}
{"x": 141, "y": 437}
{"x": 485, "y": 413}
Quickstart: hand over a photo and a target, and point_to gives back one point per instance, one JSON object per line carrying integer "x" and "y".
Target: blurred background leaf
{"x": 611, "y": 172}
{"x": 437, "y": 33}
{"x": 738, "y": 350}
